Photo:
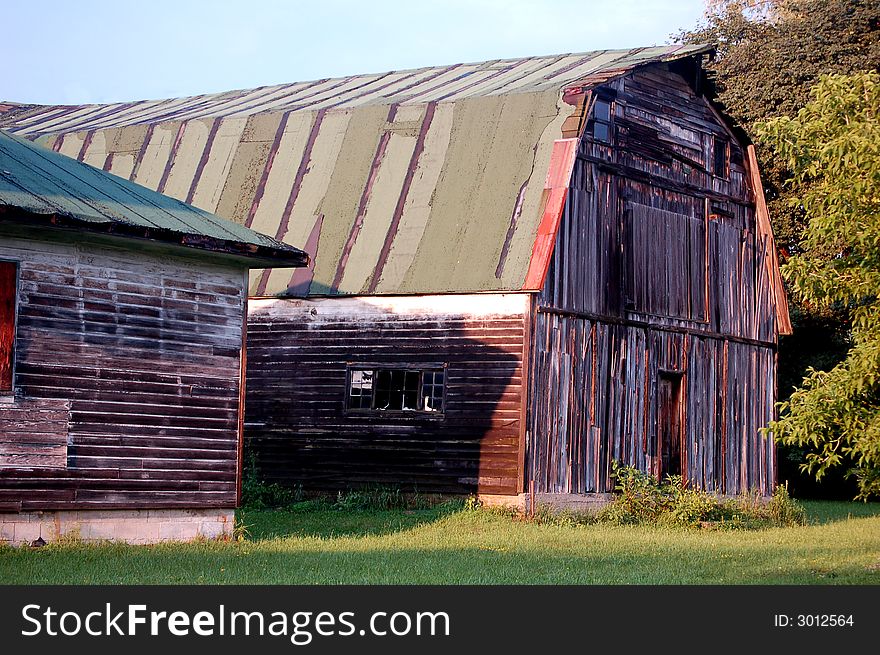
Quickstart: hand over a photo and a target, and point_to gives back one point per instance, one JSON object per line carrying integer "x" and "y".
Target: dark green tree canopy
{"x": 769, "y": 56}
{"x": 770, "y": 53}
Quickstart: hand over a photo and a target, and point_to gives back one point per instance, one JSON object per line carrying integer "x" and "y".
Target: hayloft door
{"x": 669, "y": 425}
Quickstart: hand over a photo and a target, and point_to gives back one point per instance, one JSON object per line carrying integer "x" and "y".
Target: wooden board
{"x": 296, "y": 421}
{"x": 661, "y": 271}
{"x": 127, "y": 376}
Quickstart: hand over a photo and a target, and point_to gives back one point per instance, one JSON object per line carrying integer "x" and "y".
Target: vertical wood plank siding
{"x": 656, "y": 270}
{"x": 297, "y": 424}
{"x": 140, "y": 352}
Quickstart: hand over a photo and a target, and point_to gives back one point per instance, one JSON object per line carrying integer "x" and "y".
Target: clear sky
{"x": 81, "y": 51}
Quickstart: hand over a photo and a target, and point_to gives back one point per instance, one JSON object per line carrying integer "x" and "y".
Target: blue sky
{"x": 79, "y": 51}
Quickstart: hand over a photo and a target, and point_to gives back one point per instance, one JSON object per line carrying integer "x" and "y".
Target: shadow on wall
{"x": 420, "y": 393}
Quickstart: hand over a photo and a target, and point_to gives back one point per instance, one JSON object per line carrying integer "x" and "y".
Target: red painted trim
{"x": 425, "y": 80}
{"x": 301, "y": 171}
{"x": 227, "y": 107}
{"x": 90, "y": 120}
{"x": 431, "y": 89}
{"x": 85, "y": 145}
{"x": 148, "y": 136}
{"x": 171, "y": 157}
{"x": 553, "y": 202}
{"x": 8, "y": 294}
{"x": 48, "y": 114}
{"x": 195, "y": 103}
{"x": 242, "y": 387}
{"x": 301, "y": 280}
{"x": 497, "y": 73}
{"x": 203, "y": 161}
{"x": 579, "y": 62}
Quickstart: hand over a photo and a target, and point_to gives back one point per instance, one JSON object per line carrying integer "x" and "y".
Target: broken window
{"x": 396, "y": 389}
{"x": 719, "y": 156}
{"x": 601, "y": 120}
{"x": 360, "y": 390}
{"x": 8, "y": 292}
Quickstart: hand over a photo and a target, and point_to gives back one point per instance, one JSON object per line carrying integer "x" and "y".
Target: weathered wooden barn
{"x": 522, "y": 269}
{"x": 122, "y": 317}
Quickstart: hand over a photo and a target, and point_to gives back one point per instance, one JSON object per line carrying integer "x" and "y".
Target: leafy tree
{"x": 832, "y": 148}
{"x": 769, "y": 55}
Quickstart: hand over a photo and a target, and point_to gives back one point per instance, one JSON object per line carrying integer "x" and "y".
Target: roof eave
{"x": 251, "y": 255}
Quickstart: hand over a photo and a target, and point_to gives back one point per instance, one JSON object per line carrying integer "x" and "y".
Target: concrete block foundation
{"x": 581, "y": 503}
{"x": 146, "y": 526}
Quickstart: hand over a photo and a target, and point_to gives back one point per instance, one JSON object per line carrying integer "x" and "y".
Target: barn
{"x": 122, "y": 317}
{"x": 522, "y": 270}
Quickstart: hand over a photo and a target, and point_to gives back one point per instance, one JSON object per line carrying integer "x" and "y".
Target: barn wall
{"x": 657, "y": 267}
{"x": 127, "y": 379}
{"x": 632, "y": 205}
{"x": 594, "y": 400}
{"x": 296, "y": 419}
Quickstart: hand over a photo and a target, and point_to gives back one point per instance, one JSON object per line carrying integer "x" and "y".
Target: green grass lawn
{"x": 841, "y": 545}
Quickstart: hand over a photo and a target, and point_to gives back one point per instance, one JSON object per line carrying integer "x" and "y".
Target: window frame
{"x": 13, "y": 352}
{"x": 372, "y": 411}
{"x": 725, "y": 173}
{"x": 609, "y": 123}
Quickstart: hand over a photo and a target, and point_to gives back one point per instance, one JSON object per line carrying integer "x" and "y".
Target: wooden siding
{"x": 594, "y": 400}
{"x": 296, "y": 421}
{"x": 640, "y": 205}
{"x": 659, "y": 271}
{"x": 33, "y": 433}
{"x": 143, "y": 347}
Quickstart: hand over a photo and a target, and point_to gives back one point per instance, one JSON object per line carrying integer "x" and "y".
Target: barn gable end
{"x": 656, "y": 325}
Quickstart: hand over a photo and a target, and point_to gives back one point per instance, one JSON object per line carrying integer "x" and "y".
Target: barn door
{"x": 8, "y": 284}
{"x": 669, "y": 425}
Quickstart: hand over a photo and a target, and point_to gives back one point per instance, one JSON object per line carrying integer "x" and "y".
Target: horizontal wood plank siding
{"x": 34, "y": 433}
{"x": 297, "y": 424}
{"x": 142, "y": 350}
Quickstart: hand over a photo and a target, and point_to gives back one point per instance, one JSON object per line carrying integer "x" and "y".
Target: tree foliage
{"x": 832, "y": 148}
{"x": 769, "y": 55}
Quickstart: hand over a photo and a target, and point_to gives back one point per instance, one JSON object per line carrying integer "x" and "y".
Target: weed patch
{"x": 641, "y": 500}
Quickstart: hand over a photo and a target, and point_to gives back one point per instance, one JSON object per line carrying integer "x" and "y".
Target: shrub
{"x": 784, "y": 510}
{"x": 640, "y": 499}
{"x": 259, "y": 494}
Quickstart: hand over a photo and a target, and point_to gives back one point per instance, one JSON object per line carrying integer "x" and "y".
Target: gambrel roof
{"x": 433, "y": 180}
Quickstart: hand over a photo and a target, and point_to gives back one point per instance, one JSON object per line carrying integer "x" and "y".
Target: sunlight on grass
{"x": 437, "y": 546}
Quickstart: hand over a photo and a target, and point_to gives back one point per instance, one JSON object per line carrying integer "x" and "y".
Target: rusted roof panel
{"x": 37, "y": 182}
{"x": 423, "y": 181}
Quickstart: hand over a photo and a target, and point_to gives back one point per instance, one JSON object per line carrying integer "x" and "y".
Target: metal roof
{"x": 36, "y": 183}
{"x": 422, "y": 181}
